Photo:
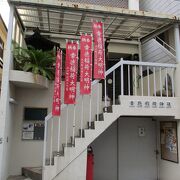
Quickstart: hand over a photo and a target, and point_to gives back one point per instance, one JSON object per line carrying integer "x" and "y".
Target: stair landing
{"x": 34, "y": 173}
{"x": 18, "y": 178}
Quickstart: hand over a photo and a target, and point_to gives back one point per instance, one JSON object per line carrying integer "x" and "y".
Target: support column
{"x": 140, "y": 51}
{"x": 177, "y": 48}
{"x": 5, "y": 108}
{"x": 133, "y": 5}
{"x": 177, "y": 42}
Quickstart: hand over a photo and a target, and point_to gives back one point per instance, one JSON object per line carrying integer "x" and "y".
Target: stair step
{"x": 60, "y": 153}
{"x": 101, "y": 117}
{"x": 91, "y": 125}
{"x": 73, "y": 143}
{"x": 67, "y": 145}
{"x": 48, "y": 161}
{"x": 34, "y": 173}
{"x": 82, "y": 133}
{"x": 108, "y": 109}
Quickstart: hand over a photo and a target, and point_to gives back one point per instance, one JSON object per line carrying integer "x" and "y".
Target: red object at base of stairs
{"x": 90, "y": 165}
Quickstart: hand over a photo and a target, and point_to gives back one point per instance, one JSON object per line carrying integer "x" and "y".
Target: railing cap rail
{"x": 122, "y": 62}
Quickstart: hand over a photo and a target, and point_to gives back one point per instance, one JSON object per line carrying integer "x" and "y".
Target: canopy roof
{"x": 60, "y": 17}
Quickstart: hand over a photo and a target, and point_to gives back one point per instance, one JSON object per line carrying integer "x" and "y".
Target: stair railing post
{"x": 59, "y": 133}
{"x": 98, "y": 102}
{"x": 82, "y": 115}
{"x": 105, "y": 94}
{"x": 135, "y": 80}
{"x": 160, "y": 80}
{"x": 51, "y": 144}
{"x": 74, "y": 125}
{"x": 148, "y": 81}
{"x": 122, "y": 78}
{"x": 67, "y": 119}
{"x": 114, "y": 87}
{"x": 154, "y": 78}
{"x": 142, "y": 84}
{"x": 129, "y": 88}
{"x": 167, "y": 82}
{"x": 90, "y": 109}
{"x": 173, "y": 91}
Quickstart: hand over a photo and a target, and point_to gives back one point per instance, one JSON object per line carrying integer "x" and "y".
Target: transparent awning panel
{"x": 74, "y": 19}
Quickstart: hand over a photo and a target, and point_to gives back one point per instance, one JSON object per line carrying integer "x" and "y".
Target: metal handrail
{"x": 49, "y": 116}
{"x": 1, "y": 62}
{"x": 165, "y": 44}
{"x": 124, "y": 62}
{"x": 152, "y": 64}
{"x": 121, "y": 63}
{"x": 109, "y": 71}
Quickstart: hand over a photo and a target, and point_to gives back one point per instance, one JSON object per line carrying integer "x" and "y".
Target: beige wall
{"x": 30, "y": 153}
{"x": 27, "y": 153}
{"x": 116, "y": 47}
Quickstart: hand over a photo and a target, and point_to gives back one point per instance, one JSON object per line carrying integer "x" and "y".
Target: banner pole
{"x": 67, "y": 119}
{"x": 82, "y": 114}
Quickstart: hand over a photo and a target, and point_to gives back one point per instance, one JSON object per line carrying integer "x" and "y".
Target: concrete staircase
{"x": 70, "y": 162}
{"x": 63, "y": 160}
{"x": 153, "y": 51}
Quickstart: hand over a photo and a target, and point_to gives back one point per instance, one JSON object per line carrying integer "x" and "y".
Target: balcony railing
{"x": 1, "y": 63}
{"x": 167, "y": 46}
{"x": 134, "y": 79}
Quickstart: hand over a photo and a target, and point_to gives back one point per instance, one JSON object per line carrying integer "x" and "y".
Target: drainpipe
{"x": 177, "y": 48}
{"x": 133, "y": 5}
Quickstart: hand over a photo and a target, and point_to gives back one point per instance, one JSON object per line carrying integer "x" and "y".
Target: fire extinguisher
{"x": 90, "y": 164}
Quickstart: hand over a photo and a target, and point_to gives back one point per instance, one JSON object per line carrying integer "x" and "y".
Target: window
{"x": 35, "y": 114}
{"x": 1, "y": 48}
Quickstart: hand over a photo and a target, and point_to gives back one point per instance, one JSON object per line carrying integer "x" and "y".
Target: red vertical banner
{"x": 56, "y": 107}
{"x": 71, "y": 69}
{"x": 99, "y": 51}
{"x": 86, "y": 64}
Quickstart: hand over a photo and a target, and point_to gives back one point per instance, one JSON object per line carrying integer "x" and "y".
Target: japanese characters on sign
{"x": 150, "y": 104}
{"x": 56, "y": 109}
{"x": 99, "y": 51}
{"x": 86, "y": 64}
{"x": 71, "y": 69}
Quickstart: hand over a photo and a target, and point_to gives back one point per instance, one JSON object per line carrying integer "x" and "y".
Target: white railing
{"x": 1, "y": 63}
{"x": 146, "y": 79}
{"x": 124, "y": 78}
{"x": 167, "y": 46}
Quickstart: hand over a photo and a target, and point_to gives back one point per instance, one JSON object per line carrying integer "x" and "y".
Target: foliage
{"x": 35, "y": 61}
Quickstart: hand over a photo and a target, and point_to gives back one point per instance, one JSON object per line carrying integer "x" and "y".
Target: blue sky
{"x": 4, "y": 11}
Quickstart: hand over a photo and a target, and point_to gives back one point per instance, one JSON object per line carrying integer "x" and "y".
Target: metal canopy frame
{"x": 65, "y": 18}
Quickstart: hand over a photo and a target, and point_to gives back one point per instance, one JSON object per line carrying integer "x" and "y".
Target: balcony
{"x": 28, "y": 80}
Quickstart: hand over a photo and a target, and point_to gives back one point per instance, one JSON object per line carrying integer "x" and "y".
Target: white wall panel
{"x": 152, "y": 51}
{"x": 161, "y": 6}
